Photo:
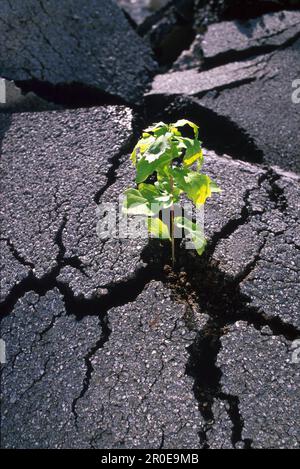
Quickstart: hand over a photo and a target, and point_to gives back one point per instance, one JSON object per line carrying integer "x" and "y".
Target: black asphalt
{"x": 69, "y": 43}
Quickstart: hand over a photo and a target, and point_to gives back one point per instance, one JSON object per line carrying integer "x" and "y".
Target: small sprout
{"x": 175, "y": 161}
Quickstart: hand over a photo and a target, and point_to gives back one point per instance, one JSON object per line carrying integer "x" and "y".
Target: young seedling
{"x": 174, "y": 162}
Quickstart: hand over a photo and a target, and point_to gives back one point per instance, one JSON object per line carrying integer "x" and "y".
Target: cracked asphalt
{"x": 47, "y": 361}
{"x": 48, "y": 174}
{"x": 269, "y": 422}
{"x": 106, "y": 346}
{"x": 63, "y": 44}
{"x": 272, "y": 30}
{"x": 242, "y": 93}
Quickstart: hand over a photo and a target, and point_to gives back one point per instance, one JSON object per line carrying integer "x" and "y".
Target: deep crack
{"x": 245, "y": 215}
{"x": 219, "y": 133}
{"x": 218, "y": 295}
{"x": 276, "y": 193}
{"x": 233, "y": 55}
{"x": 221, "y": 299}
{"x": 104, "y": 337}
{"x": 119, "y": 157}
{"x": 16, "y": 254}
{"x": 70, "y": 95}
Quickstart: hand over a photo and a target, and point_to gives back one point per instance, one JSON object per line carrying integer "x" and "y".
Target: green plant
{"x": 173, "y": 162}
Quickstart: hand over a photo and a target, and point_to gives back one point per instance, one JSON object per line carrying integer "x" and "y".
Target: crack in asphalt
{"x": 219, "y": 134}
{"x": 120, "y": 293}
{"x": 36, "y": 380}
{"x": 224, "y": 58}
{"x": 233, "y": 224}
{"x": 276, "y": 193}
{"x": 16, "y": 254}
{"x": 204, "y": 351}
{"x": 275, "y": 196}
{"x": 70, "y": 95}
{"x": 203, "y": 356}
{"x": 223, "y": 313}
{"x": 207, "y": 375}
{"x": 104, "y": 337}
{"x": 116, "y": 161}
{"x": 221, "y": 299}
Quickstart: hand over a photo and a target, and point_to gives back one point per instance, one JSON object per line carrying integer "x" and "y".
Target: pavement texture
{"x": 253, "y": 363}
{"x": 106, "y": 345}
{"x": 135, "y": 326}
{"x": 49, "y": 174}
{"x": 140, "y": 373}
{"x": 241, "y": 96}
{"x": 266, "y": 32}
{"x": 225, "y": 41}
{"x": 46, "y": 351}
{"x": 70, "y": 43}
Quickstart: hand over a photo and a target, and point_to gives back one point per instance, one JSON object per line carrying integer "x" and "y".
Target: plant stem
{"x": 172, "y": 224}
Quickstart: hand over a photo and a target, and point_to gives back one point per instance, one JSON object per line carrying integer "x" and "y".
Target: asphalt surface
{"x": 253, "y": 364}
{"x": 219, "y": 42}
{"x": 228, "y": 40}
{"x": 242, "y": 94}
{"x": 45, "y": 350}
{"x": 140, "y": 374}
{"x": 129, "y": 359}
{"x": 70, "y": 43}
{"x": 59, "y": 174}
{"x": 140, "y": 11}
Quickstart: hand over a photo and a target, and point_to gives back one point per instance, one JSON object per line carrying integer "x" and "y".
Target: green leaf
{"x": 157, "y": 148}
{"x": 158, "y": 198}
{"x": 163, "y": 172}
{"x": 194, "y": 232}
{"x": 194, "y": 184}
{"x": 174, "y": 131}
{"x": 193, "y": 151}
{"x": 158, "y": 129}
{"x": 158, "y": 229}
{"x": 166, "y": 188}
{"x": 148, "y": 191}
{"x": 148, "y": 199}
{"x": 142, "y": 145}
{"x": 144, "y": 169}
{"x": 158, "y": 155}
{"x": 153, "y": 155}
{"x": 135, "y": 203}
{"x": 183, "y": 122}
